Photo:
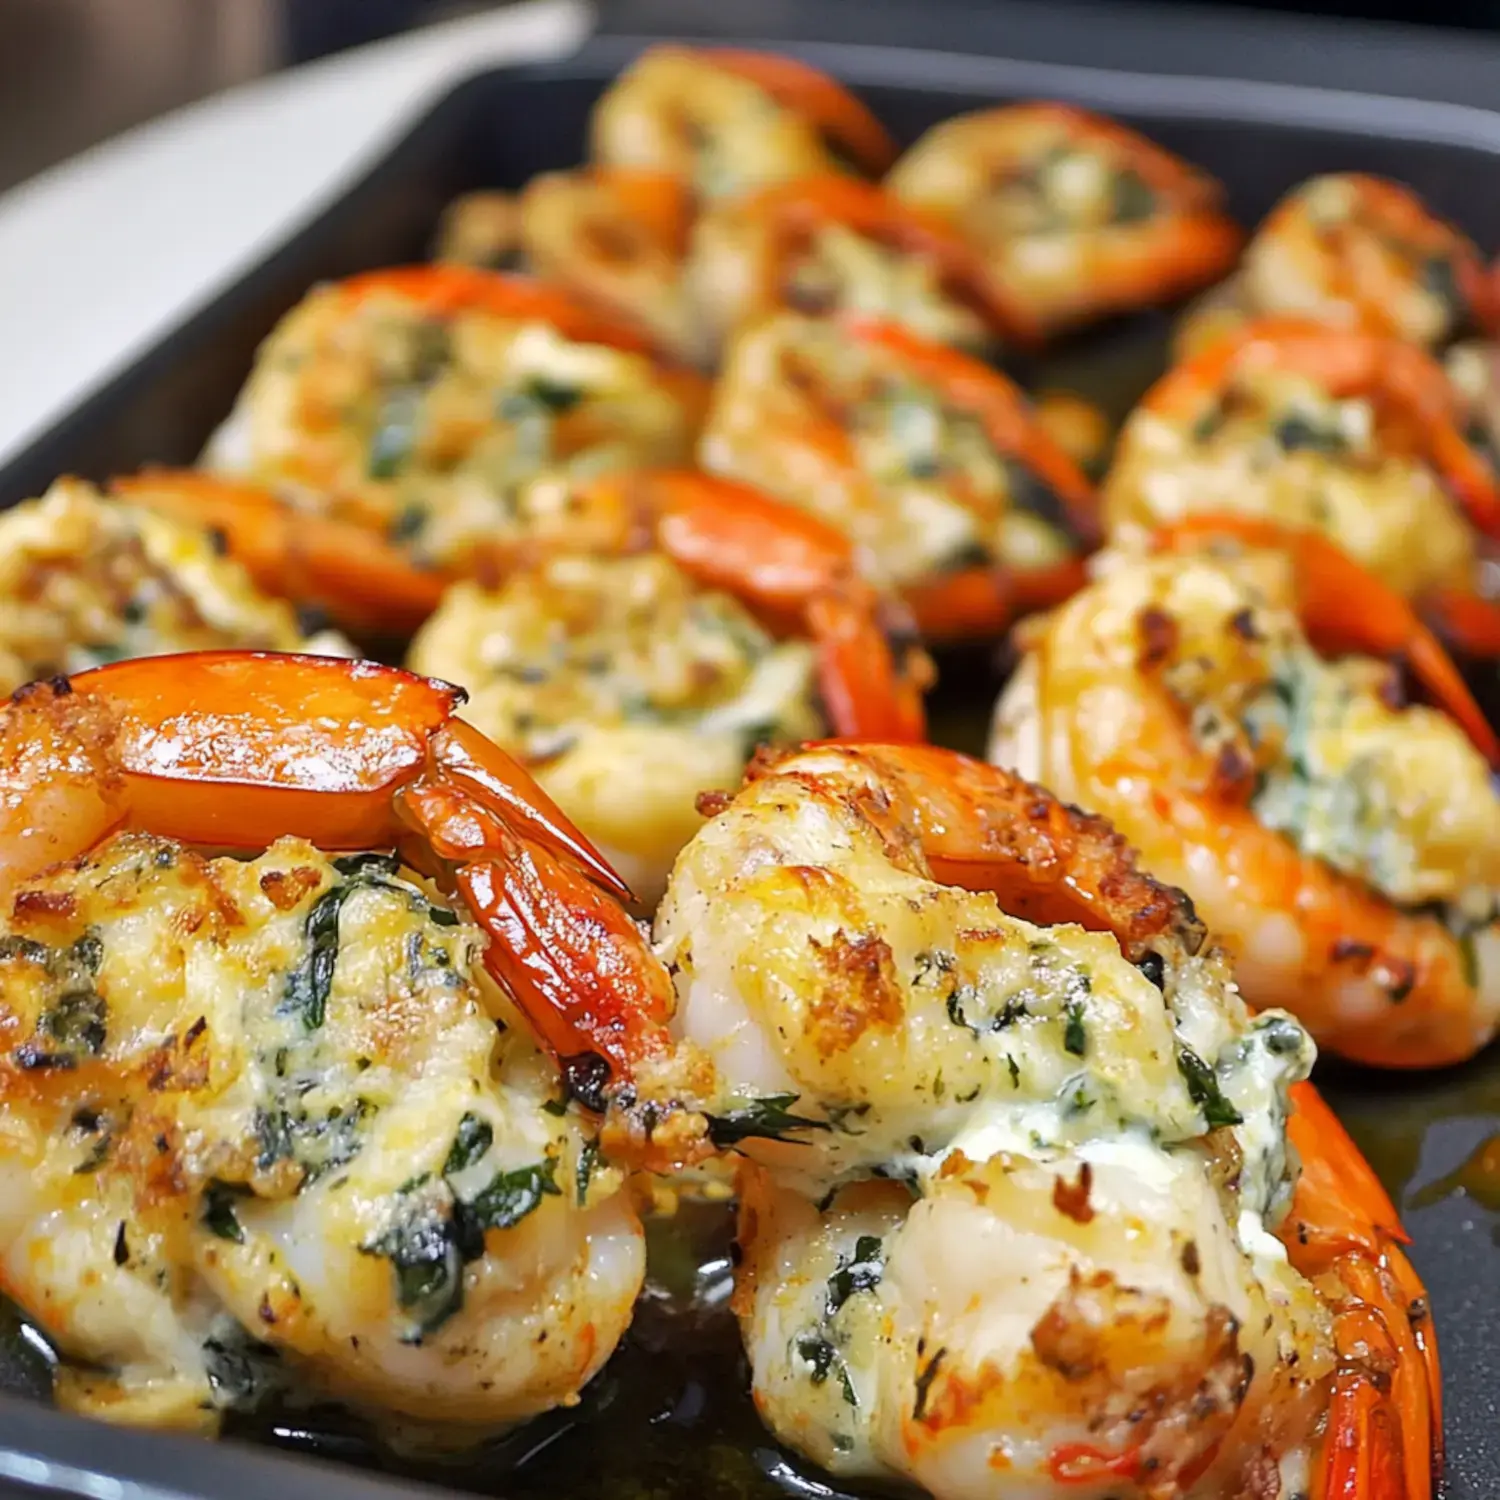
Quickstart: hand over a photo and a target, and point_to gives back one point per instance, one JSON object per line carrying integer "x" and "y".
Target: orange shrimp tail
{"x": 1469, "y": 624}
{"x": 1385, "y": 1417}
{"x": 825, "y": 102}
{"x": 218, "y": 747}
{"x": 986, "y": 829}
{"x": 658, "y": 202}
{"x": 984, "y": 601}
{"x": 581, "y": 973}
{"x": 1346, "y": 608}
{"x": 445, "y": 290}
{"x": 222, "y": 747}
{"x": 799, "y": 571}
{"x": 866, "y": 676}
{"x": 498, "y": 782}
{"x": 362, "y": 581}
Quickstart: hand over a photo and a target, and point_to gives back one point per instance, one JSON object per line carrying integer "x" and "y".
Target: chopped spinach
{"x": 1203, "y": 1087}
{"x": 309, "y": 982}
{"x": 408, "y": 522}
{"x": 28, "y": 949}
{"x": 273, "y": 1137}
{"x": 422, "y": 1245}
{"x": 395, "y": 432}
{"x": 1440, "y": 278}
{"x": 768, "y": 1118}
{"x": 860, "y": 1273}
{"x": 367, "y": 864}
{"x": 815, "y": 1350}
{"x": 588, "y": 1161}
{"x": 1012, "y": 1011}
{"x": 1075, "y": 1035}
{"x": 474, "y": 1138}
{"x": 76, "y": 1022}
{"x": 1031, "y": 493}
{"x": 1297, "y": 431}
{"x": 1133, "y": 199}
{"x": 925, "y": 1376}
{"x": 1469, "y": 955}
{"x": 510, "y": 1196}
{"x": 218, "y": 1216}
{"x": 557, "y": 396}
{"x": 241, "y": 1371}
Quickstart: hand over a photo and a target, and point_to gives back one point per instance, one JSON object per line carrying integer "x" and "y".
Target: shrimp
{"x": 702, "y": 620}
{"x": 726, "y": 121}
{"x": 1348, "y": 848}
{"x": 480, "y": 229}
{"x": 445, "y": 408}
{"x": 1014, "y": 1147}
{"x": 260, "y": 1126}
{"x": 1352, "y": 435}
{"x": 827, "y": 243}
{"x": 320, "y": 562}
{"x": 618, "y": 239}
{"x": 933, "y": 464}
{"x": 1075, "y": 216}
{"x": 1357, "y": 253}
{"x": 85, "y": 581}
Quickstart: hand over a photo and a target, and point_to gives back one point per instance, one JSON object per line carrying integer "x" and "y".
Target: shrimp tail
{"x": 987, "y": 829}
{"x": 353, "y": 573}
{"x": 1384, "y": 1424}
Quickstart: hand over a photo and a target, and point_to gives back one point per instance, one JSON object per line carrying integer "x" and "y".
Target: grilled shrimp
{"x": 1075, "y": 216}
{"x": 447, "y": 408}
{"x": 618, "y": 238}
{"x": 704, "y": 621}
{"x": 831, "y": 243}
{"x": 726, "y": 121}
{"x": 1357, "y": 253}
{"x": 1017, "y": 1152}
{"x": 84, "y": 581}
{"x": 933, "y": 464}
{"x": 260, "y": 1126}
{"x": 1351, "y": 435}
{"x": 261, "y": 1132}
{"x": 294, "y": 550}
{"x": 1348, "y": 848}
{"x": 480, "y": 229}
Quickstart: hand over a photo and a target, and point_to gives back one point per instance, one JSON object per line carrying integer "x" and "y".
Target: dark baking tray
{"x": 497, "y": 129}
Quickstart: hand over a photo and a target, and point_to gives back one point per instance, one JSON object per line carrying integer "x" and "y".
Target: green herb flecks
{"x": 218, "y": 1216}
{"x": 1075, "y": 1034}
{"x": 588, "y": 1162}
{"x": 815, "y": 1350}
{"x": 769, "y": 1119}
{"x": 474, "y": 1138}
{"x": 395, "y": 433}
{"x": 860, "y": 1273}
{"x": 1203, "y": 1087}
{"x": 512, "y": 1195}
{"x": 76, "y": 1022}
{"x": 422, "y": 1245}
